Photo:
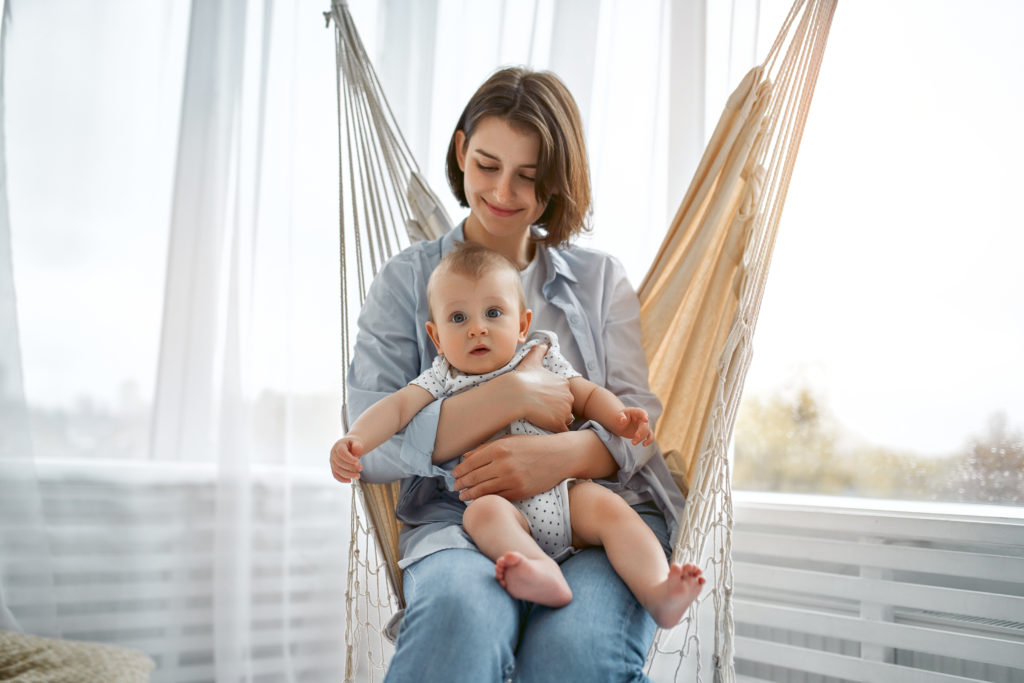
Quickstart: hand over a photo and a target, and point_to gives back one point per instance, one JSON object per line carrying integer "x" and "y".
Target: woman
{"x": 517, "y": 160}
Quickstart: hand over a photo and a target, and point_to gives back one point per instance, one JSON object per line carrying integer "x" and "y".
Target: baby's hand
{"x": 633, "y": 424}
{"x": 345, "y": 456}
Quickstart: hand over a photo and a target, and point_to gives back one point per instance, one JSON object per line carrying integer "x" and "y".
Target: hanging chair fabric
{"x": 702, "y": 295}
{"x": 699, "y": 305}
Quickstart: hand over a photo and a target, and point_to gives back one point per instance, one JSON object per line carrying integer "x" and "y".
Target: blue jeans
{"x": 461, "y": 625}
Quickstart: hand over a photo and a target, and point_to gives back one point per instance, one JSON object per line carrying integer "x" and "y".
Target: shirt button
{"x": 591, "y": 365}
{"x": 574, "y": 318}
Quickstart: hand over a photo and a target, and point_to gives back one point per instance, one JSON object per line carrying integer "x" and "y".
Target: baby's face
{"x": 477, "y": 322}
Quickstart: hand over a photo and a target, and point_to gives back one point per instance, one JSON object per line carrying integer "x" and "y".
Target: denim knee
{"x": 603, "y": 634}
{"x": 459, "y": 624}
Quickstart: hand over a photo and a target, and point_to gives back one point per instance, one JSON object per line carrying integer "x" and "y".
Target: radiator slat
{"x": 148, "y": 618}
{"x": 832, "y": 664}
{"x": 182, "y": 559}
{"x": 860, "y": 521}
{"x": 888, "y": 556}
{"x": 897, "y": 593}
{"x": 158, "y": 588}
{"x": 917, "y": 638}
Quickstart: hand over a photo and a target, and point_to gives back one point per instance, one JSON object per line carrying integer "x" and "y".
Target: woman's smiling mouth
{"x": 500, "y": 212}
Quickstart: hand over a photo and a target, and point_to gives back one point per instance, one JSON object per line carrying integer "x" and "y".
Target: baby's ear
{"x": 434, "y": 336}
{"x": 525, "y": 318}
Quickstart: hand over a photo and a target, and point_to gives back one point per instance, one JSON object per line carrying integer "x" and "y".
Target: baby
{"x": 478, "y": 321}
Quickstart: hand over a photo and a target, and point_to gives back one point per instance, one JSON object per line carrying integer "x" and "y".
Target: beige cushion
{"x": 32, "y": 659}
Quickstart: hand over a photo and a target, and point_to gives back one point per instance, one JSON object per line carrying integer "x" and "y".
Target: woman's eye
{"x": 486, "y": 168}
{"x": 529, "y": 179}
{"x": 458, "y": 317}
{"x": 493, "y": 312}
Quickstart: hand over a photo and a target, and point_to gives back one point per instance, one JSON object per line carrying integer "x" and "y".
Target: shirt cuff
{"x": 418, "y": 444}
{"x": 629, "y": 458}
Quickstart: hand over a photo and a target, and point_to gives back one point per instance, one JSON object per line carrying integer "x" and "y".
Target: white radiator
{"x": 833, "y": 589}
{"x": 825, "y": 589}
{"x": 129, "y": 559}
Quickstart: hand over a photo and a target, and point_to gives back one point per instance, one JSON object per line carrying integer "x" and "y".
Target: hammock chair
{"x": 699, "y": 302}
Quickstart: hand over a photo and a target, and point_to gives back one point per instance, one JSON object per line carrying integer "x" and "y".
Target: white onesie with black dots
{"x": 547, "y": 513}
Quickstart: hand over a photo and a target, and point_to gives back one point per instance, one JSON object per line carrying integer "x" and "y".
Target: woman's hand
{"x": 517, "y": 467}
{"x": 546, "y": 396}
{"x": 529, "y": 392}
{"x": 513, "y": 467}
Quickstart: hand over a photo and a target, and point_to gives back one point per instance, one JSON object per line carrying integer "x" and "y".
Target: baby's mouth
{"x": 479, "y": 351}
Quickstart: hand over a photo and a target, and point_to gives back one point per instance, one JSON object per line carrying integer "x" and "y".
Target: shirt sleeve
{"x": 388, "y": 354}
{"x": 625, "y": 368}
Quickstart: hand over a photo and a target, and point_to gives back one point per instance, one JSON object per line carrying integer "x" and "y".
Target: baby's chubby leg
{"x": 501, "y": 533}
{"x": 600, "y": 517}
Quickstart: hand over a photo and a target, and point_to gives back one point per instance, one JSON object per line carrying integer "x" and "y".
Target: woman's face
{"x": 499, "y": 164}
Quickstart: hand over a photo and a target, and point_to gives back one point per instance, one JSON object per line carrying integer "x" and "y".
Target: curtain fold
{"x": 199, "y": 409}
{"x": 24, "y": 548}
{"x": 600, "y": 49}
{"x": 214, "y": 543}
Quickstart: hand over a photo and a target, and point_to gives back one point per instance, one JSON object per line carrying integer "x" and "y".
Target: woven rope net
{"x": 700, "y": 302}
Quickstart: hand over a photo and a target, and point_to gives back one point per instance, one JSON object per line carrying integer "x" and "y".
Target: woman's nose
{"x": 503, "y": 191}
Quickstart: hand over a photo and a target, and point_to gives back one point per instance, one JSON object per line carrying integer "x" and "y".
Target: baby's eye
{"x": 493, "y": 312}
{"x": 458, "y": 317}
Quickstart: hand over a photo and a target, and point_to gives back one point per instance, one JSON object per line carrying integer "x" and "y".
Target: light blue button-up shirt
{"x": 392, "y": 348}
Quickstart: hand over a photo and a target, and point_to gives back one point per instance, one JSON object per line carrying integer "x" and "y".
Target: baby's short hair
{"x": 474, "y": 261}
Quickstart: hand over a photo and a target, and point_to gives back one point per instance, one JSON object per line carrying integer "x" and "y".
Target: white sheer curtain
{"x": 169, "y": 361}
{"x": 635, "y": 69}
{"x": 169, "y": 353}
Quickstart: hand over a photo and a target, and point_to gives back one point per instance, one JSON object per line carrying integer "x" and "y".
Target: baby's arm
{"x": 377, "y": 424}
{"x": 596, "y": 403}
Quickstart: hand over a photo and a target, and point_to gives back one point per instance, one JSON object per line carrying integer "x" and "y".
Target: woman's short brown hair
{"x": 537, "y": 102}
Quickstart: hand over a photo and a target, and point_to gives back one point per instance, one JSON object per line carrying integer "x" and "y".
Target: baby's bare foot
{"x": 672, "y": 598}
{"x": 537, "y": 580}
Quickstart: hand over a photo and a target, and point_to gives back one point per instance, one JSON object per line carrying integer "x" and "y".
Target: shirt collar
{"x": 555, "y": 263}
{"x": 452, "y": 237}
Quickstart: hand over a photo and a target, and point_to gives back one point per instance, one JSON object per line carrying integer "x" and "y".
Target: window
{"x": 889, "y": 355}
{"x": 95, "y": 134}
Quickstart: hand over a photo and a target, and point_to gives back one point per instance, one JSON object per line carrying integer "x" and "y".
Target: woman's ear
{"x": 434, "y": 336}
{"x": 460, "y": 149}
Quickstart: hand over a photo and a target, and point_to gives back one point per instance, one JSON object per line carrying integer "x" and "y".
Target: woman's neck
{"x": 519, "y": 248}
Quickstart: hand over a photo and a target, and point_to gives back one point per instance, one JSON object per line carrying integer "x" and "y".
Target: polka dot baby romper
{"x": 547, "y": 513}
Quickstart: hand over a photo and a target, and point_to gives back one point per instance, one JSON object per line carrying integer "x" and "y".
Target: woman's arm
{"x": 624, "y": 371}
{"x": 518, "y": 467}
{"x": 529, "y": 392}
